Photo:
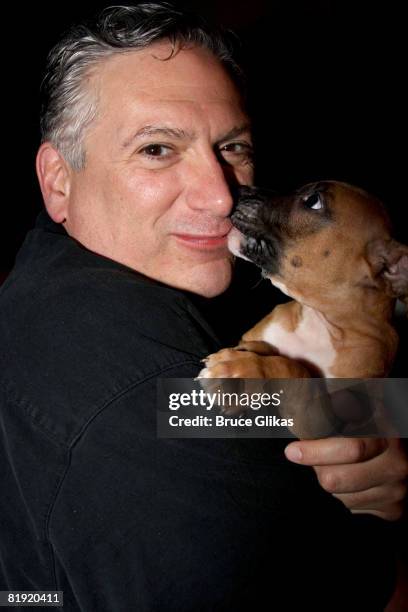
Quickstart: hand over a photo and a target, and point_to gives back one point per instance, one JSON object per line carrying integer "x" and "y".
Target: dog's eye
{"x": 314, "y": 201}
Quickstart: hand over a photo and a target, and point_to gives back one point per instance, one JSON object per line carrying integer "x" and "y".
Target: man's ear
{"x": 388, "y": 260}
{"x": 54, "y": 178}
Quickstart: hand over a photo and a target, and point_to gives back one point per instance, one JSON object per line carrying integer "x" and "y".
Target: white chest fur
{"x": 310, "y": 341}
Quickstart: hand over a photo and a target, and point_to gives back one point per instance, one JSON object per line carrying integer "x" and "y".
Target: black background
{"x": 326, "y": 81}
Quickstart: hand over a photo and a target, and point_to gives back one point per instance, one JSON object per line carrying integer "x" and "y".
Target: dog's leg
{"x": 308, "y": 405}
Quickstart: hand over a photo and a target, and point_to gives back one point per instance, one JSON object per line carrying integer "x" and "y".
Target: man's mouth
{"x": 203, "y": 241}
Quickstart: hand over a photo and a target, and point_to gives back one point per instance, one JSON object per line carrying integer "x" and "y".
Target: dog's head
{"x": 323, "y": 240}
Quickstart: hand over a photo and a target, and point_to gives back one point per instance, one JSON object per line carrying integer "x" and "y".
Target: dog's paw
{"x": 218, "y": 374}
{"x": 232, "y": 363}
{"x": 216, "y": 364}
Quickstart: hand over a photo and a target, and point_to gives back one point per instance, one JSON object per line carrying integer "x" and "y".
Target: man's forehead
{"x": 191, "y": 93}
{"x": 192, "y": 73}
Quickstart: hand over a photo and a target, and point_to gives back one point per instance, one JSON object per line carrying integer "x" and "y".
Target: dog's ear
{"x": 388, "y": 260}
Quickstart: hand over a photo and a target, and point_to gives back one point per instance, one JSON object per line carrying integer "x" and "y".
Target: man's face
{"x": 168, "y": 140}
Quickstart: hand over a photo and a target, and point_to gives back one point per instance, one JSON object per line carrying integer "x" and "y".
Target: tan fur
{"x": 343, "y": 278}
{"x": 339, "y": 324}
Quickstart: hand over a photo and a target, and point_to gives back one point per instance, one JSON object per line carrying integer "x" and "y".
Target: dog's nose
{"x": 246, "y": 195}
{"x": 245, "y": 191}
{"x": 247, "y": 209}
{"x": 239, "y": 193}
{"x": 242, "y": 192}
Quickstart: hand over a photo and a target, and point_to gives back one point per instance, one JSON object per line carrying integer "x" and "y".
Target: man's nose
{"x": 209, "y": 189}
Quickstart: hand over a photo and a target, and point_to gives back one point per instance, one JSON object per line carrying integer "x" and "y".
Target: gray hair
{"x": 70, "y": 105}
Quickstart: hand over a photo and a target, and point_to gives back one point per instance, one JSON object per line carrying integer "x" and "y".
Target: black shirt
{"x": 94, "y": 504}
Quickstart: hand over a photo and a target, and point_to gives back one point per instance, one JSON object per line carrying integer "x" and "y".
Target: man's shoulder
{"x": 76, "y": 329}
{"x": 60, "y": 289}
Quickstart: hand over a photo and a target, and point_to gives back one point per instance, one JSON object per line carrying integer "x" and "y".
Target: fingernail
{"x": 293, "y": 453}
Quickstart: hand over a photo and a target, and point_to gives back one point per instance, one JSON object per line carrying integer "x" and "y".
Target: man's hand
{"x": 368, "y": 475}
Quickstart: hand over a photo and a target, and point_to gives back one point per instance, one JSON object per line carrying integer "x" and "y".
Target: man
{"x": 144, "y": 134}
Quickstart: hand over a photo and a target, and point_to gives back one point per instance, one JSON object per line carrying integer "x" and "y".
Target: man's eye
{"x": 156, "y": 151}
{"x": 242, "y": 150}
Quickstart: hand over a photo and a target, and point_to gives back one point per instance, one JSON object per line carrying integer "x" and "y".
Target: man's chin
{"x": 207, "y": 280}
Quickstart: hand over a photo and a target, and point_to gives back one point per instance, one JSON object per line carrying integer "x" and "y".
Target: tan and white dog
{"x": 329, "y": 247}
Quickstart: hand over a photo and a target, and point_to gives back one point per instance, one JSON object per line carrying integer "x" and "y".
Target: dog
{"x": 328, "y": 246}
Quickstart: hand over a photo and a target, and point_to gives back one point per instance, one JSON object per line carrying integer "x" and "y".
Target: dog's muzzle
{"x": 259, "y": 243}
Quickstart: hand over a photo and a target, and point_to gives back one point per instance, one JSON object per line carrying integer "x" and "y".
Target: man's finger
{"x": 392, "y": 512}
{"x": 349, "y": 478}
{"x": 331, "y": 451}
{"x": 373, "y": 498}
